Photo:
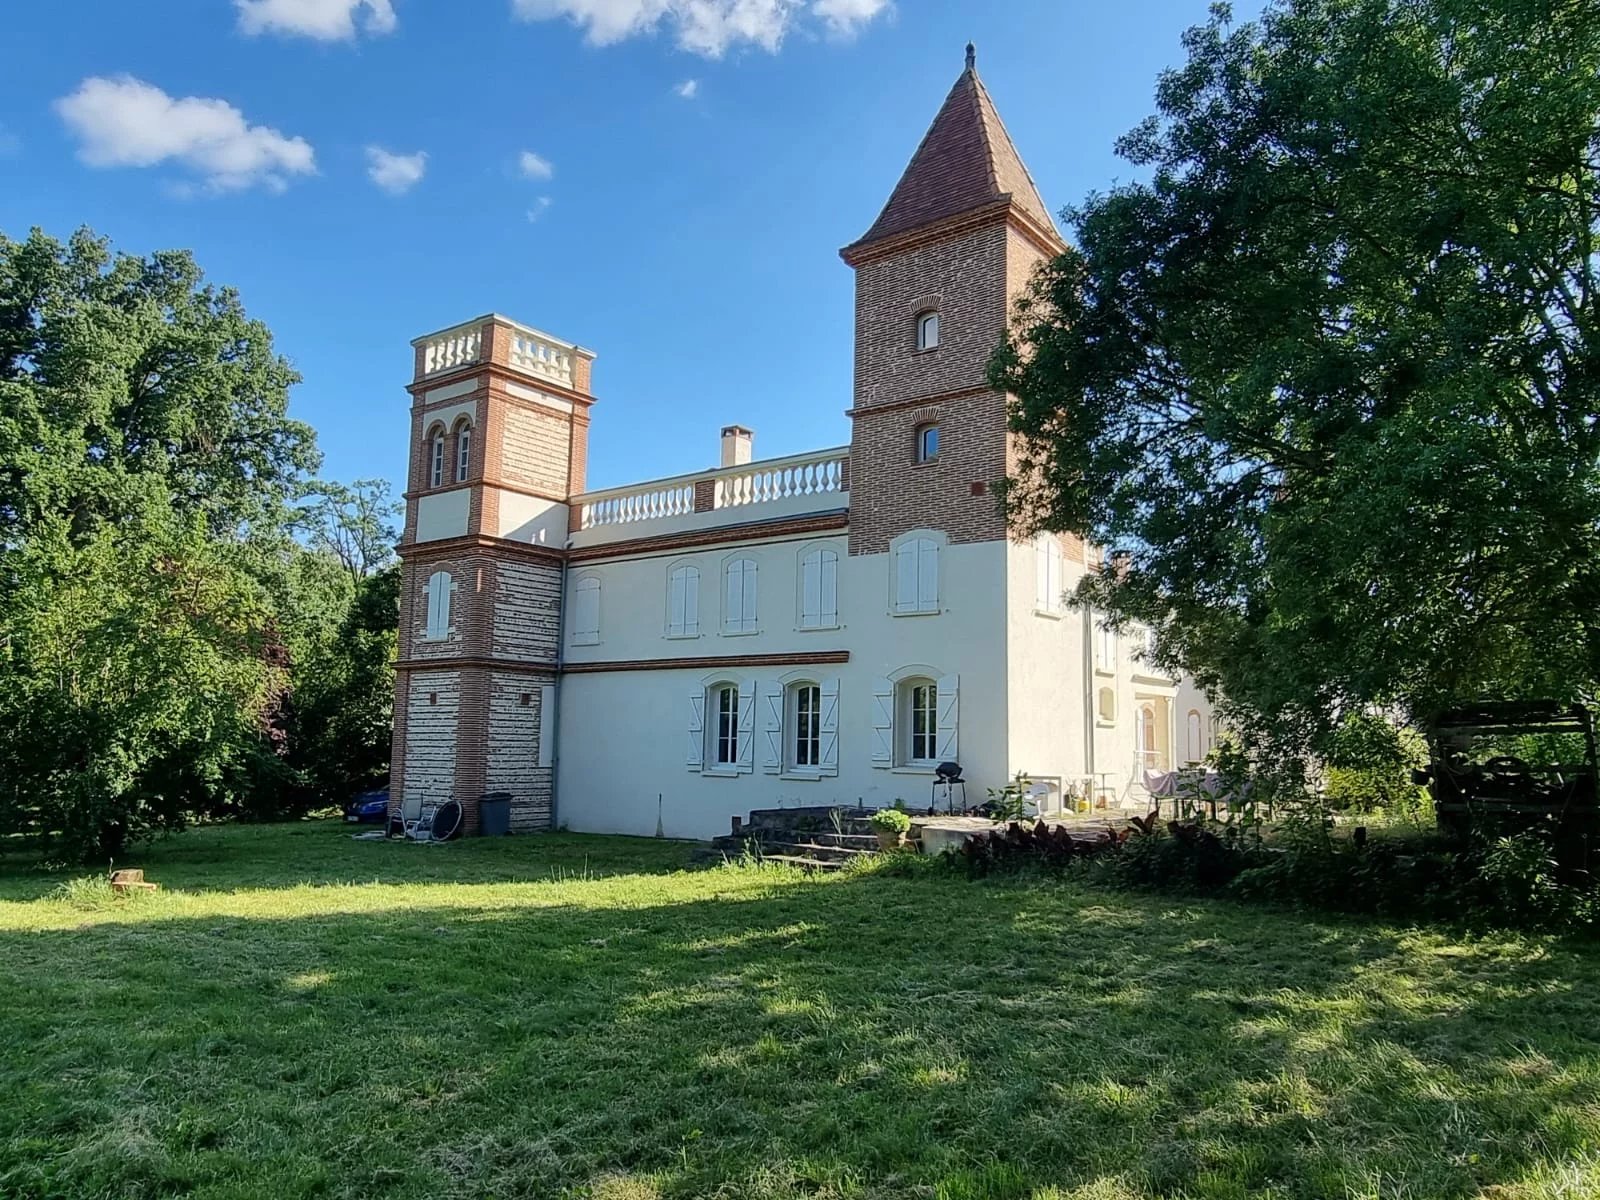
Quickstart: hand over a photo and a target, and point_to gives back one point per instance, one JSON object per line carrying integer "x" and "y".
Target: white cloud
{"x": 324, "y": 20}
{"x": 705, "y": 27}
{"x": 535, "y": 166}
{"x": 688, "y": 89}
{"x": 125, "y": 122}
{"x": 844, "y": 18}
{"x": 395, "y": 173}
{"x": 538, "y": 209}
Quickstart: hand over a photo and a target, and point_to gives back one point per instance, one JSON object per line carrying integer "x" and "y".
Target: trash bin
{"x": 494, "y": 814}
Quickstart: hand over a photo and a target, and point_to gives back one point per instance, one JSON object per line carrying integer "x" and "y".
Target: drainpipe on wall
{"x": 1089, "y": 702}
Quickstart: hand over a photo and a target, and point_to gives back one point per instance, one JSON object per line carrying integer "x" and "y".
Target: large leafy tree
{"x": 170, "y": 577}
{"x": 1328, "y": 374}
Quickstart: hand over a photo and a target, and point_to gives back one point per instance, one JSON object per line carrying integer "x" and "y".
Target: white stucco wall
{"x": 531, "y": 519}
{"x": 443, "y": 515}
{"x": 623, "y": 734}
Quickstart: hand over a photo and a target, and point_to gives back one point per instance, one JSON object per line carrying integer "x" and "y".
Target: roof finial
{"x": 972, "y": 57}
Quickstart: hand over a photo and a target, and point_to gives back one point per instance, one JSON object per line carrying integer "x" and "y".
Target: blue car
{"x": 369, "y": 808}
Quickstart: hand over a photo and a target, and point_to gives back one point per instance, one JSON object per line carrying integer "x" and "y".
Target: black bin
{"x": 494, "y": 814}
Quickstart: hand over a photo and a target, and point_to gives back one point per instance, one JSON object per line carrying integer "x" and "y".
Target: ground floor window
{"x": 922, "y": 720}
{"x": 805, "y": 712}
{"x": 725, "y": 727}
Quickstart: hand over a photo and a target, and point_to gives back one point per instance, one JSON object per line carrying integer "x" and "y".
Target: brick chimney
{"x": 737, "y": 445}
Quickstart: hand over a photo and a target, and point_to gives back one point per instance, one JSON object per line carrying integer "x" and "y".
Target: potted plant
{"x": 891, "y": 825}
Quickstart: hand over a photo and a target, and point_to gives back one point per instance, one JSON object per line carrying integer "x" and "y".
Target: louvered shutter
{"x": 882, "y": 723}
{"x": 905, "y": 577}
{"x": 547, "y": 725}
{"x": 927, "y": 575}
{"x": 1041, "y": 571}
{"x": 772, "y": 728}
{"x": 949, "y": 717}
{"x": 695, "y": 752}
{"x": 829, "y": 728}
{"x": 811, "y": 590}
{"x": 746, "y": 744}
{"x": 829, "y": 570}
{"x": 691, "y": 600}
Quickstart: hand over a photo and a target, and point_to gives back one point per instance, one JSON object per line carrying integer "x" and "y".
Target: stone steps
{"x": 821, "y": 839}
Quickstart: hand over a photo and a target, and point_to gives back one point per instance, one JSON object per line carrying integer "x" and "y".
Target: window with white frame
{"x": 586, "y": 611}
{"x": 927, "y": 442}
{"x": 916, "y": 574}
{"x": 436, "y": 460}
{"x": 724, "y": 744}
{"x": 1049, "y": 566}
{"x": 819, "y": 588}
{"x": 436, "y": 625}
{"x": 683, "y": 601}
{"x": 1196, "y": 742}
{"x": 463, "y": 451}
{"x": 739, "y": 595}
{"x": 805, "y": 726}
{"x": 1105, "y": 647}
{"x": 915, "y": 720}
{"x": 927, "y": 330}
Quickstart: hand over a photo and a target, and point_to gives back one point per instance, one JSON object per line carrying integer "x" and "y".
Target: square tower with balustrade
{"x": 499, "y": 437}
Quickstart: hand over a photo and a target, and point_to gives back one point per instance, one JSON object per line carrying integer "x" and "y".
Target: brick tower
{"x": 499, "y": 439}
{"x": 935, "y": 277}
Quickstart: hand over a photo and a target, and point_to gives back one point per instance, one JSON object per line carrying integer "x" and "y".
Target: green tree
{"x": 1328, "y": 373}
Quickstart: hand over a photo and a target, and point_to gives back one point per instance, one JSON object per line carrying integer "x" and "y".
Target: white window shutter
{"x": 882, "y": 723}
{"x": 695, "y": 755}
{"x": 747, "y": 601}
{"x": 927, "y": 575}
{"x": 746, "y": 745}
{"x": 732, "y": 595}
{"x": 772, "y": 728}
{"x": 691, "y": 600}
{"x": 905, "y": 577}
{"x": 811, "y": 590}
{"x": 675, "y": 602}
{"x": 1041, "y": 569}
{"x": 829, "y": 728}
{"x": 830, "y": 588}
{"x": 547, "y": 725}
{"x": 439, "y": 591}
{"x": 949, "y": 717}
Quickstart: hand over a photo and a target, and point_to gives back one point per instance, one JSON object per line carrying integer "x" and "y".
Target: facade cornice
{"x": 446, "y": 547}
{"x": 772, "y": 530}
{"x": 814, "y": 658}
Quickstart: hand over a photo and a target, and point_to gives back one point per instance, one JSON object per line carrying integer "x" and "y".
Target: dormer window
{"x": 927, "y": 331}
{"x": 927, "y": 442}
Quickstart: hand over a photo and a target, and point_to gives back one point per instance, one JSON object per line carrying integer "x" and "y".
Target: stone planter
{"x": 890, "y": 839}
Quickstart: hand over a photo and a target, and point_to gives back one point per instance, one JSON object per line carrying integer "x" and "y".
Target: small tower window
{"x": 927, "y": 331}
{"x": 436, "y": 461}
{"x": 927, "y": 443}
{"x": 463, "y": 451}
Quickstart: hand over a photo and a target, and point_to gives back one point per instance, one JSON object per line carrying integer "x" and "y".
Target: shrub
{"x": 889, "y": 820}
{"x": 1023, "y": 846}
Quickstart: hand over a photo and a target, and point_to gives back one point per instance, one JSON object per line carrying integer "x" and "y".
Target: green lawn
{"x": 297, "y": 1014}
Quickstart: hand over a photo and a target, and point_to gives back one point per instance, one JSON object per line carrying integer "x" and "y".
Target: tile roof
{"x": 966, "y": 161}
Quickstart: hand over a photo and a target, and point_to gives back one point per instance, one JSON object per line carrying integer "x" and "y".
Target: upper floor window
{"x": 927, "y": 442}
{"x": 916, "y": 574}
{"x": 436, "y": 626}
{"x": 739, "y": 596}
{"x": 927, "y": 330}
{"x": 914, "y": 720}
{"x": 463, "y": 451}
{"x": 819, "y": 589}
{"x": 1196, "y": 744}
{"x": 586, "y": 611}
{"x": 683, "y": 602}
{"x": 436, "y": 460}
{"x": 1105, "y": 647}
{"x": 1048, "y": 571}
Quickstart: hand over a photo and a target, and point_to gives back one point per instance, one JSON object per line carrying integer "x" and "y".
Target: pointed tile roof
{"x": 966, "y": 161}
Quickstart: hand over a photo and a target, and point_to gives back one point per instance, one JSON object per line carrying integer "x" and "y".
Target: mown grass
{"x": 296, "y": 1014}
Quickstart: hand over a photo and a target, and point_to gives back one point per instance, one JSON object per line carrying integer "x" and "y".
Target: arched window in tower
{"x": 927, "y": 331}
{"x": 436, "y": 459}
{"x": 463, "y": 450}
{"x": 928, "y": 442}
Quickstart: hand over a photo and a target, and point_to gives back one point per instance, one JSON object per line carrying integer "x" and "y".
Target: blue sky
{"x": 696, "y": 164}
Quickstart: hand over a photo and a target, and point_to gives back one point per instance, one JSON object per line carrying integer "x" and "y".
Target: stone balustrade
{"x": 539, "y": 357}
{"x": 821, "y": 473}
{"x": 453, "y": 348}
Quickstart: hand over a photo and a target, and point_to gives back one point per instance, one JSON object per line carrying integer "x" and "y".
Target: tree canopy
{"x": 190, "y": 624}
{"x": 1327, "y": 373}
